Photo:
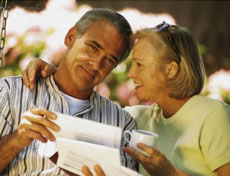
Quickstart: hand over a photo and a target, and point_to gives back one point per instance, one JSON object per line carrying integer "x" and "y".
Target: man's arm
{"x": 32, "y": 126}
{"x": 9, "y": 148}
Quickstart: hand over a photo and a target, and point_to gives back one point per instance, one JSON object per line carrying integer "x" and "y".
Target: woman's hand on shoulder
{"x": 36, "y": 68}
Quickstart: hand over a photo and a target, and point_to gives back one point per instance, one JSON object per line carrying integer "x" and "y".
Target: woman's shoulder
{"x": 208, "y": 103}
{"x": 136, "y": 110}
{"x": 215, "y": 110}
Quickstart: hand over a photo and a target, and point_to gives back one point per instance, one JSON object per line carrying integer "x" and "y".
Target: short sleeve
{"x": 215, "y": 137}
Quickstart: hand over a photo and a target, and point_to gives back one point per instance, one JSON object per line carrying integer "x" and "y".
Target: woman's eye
{"x": 138, "y": 64}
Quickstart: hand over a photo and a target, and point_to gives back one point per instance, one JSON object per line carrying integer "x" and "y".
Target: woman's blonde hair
{"x": 177, "y": 44}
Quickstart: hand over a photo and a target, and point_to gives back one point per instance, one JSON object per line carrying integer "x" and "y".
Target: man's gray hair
{"x": 114, "y": 18}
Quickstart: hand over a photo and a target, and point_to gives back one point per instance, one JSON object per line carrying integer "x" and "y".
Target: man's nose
{"x": 97, "y": 63}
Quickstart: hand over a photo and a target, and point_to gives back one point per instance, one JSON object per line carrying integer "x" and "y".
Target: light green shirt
{"x": 196, "y": 139}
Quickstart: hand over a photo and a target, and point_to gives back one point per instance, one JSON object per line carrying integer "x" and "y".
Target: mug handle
{"x": 125, "y": 136}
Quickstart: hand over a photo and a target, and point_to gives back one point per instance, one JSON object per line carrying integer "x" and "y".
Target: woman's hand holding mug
{"x": 142, "y": 147}
{"x": 140, "y": 136}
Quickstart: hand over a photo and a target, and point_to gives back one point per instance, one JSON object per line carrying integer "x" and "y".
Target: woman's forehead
{"x": 144, "y": 45}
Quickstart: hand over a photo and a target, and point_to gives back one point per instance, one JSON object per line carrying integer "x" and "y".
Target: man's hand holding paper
{"x": 83, "y": 142}
{"x": 36, "y": 124}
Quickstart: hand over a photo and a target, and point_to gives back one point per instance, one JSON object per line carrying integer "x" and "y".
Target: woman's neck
{"x": 170, "y": 105}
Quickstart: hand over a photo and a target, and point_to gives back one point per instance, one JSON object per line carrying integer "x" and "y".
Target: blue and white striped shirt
{"x": 16, "y": 98}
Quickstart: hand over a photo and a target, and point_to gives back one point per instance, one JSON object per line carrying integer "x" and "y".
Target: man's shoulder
{"x": 15, "y": 82}
{"x": 10, "y": 78}
{"x": 102, "y": 99}
{"x": 105, "y": 101}
{"x": 10, "y": 81}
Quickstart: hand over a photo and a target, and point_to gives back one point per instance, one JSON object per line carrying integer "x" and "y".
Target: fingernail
{"x": 43, "y": 74}
{"x": 54, "y": 116}
{"x": 57, "y": 128}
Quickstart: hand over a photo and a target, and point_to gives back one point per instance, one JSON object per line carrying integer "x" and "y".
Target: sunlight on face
{"x": 51, "y": 24}
{"x": 145, "y": 71}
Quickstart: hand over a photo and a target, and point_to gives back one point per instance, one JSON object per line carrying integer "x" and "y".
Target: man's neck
{"x": 66, "y": 87}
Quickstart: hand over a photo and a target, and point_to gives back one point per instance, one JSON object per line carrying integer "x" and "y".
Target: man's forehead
{"x": 106, "y": 35}
{"x": 101, "y": 26}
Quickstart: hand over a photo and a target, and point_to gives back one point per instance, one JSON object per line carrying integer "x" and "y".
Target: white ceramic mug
{"x": 140, "y": 136}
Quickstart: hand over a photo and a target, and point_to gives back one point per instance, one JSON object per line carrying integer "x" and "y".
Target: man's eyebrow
{"x": 116, "y": 59}
{"x": 99, "y": 46}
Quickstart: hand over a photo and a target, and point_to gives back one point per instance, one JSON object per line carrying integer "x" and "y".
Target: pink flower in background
{"x": 126, "y": 94}
{"x": 103, "y": 89}
{"x": 219, "y": 84}
{"x": 42, "y": 35}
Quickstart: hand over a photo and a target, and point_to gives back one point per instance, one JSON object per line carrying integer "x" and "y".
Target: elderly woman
{"x": 194, "y": 131}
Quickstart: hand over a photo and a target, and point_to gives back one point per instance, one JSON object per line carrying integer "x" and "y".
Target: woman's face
{"x": 146, "y": 72}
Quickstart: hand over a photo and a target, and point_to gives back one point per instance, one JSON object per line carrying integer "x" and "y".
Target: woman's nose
{"x": 131, "y": 73}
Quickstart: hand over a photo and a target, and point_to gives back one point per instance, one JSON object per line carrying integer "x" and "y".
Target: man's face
{"x": 93, "y": 55}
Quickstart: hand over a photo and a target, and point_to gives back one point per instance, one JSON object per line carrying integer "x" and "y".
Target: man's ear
{"x": 70, "y": 37}
{"x": 171, "y": 69}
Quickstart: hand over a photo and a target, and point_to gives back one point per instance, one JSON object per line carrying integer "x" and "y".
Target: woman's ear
{"x": 70, "y": 37}
{"x": 171, "y": 69}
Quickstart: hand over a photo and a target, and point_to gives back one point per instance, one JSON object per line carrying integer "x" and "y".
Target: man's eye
{"x": 111, "y": 61}
{"x": 93, "y": 47}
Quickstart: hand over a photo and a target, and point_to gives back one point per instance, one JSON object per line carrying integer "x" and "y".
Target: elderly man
{"x": 95, "y": 45}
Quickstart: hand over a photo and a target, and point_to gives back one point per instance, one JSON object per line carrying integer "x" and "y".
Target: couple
{"x": 167, "y": 69}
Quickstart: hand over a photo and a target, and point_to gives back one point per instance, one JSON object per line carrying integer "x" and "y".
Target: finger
{"x": 44, "y": 112}
{"x": 85, "y": 170}
{"x": 135, "y": 154}
{"x": 25, "y": 78}
{"x": 47, "y": 70}
{"x": 32, "y": 84}
{"x": 41, "y": 130}
{"x": 34, "y": 118}
{"x": 33, "y": 70}
{"x": 153, "y": 153}
{"x": 99, "y": 170}
{"x": 145, "y": 148}
{"x": 30, "y": 135}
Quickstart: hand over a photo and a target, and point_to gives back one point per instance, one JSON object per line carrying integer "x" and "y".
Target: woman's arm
{"x": 224, "y": 170}
{"x": 156, "y": 164}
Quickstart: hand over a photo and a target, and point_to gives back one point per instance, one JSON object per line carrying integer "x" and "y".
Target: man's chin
{"x": 140, "y": 97}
